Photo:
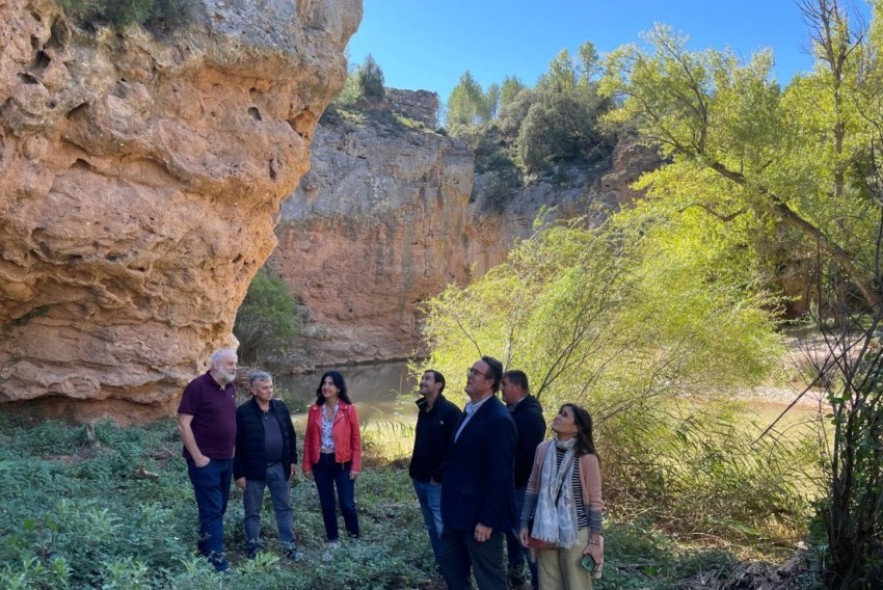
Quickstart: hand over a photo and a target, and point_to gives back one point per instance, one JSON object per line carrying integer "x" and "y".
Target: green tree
{"x": 561, "y": 128}
{"x": 466, "y": 104}
{"x": 370, "y": 78}
{"x": 267, "y": 322}
{"x": 562, "y": 75}
{"x": 763, "y": 164}
{"x": 509, "y": 90}
{"x": 492, "y": 102}
{"x": 633, "y": 326}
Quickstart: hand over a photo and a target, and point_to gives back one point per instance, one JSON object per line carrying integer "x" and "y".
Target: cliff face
{"x": 389, "y": 215}
{"x": 379, "y": 223}
{"x": 140, "y": 182}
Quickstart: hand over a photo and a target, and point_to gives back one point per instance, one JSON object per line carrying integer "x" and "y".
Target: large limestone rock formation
{"x": 390, "y": 213}
{"x": 378, "y": 224}
{"x": 140, "y": 182}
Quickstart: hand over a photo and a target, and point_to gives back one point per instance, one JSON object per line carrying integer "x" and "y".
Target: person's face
{"x": 330, "y": 391}
{"x": 564, "y": 424}
{"x": 477, "y": 381}
{"x": 511, "y": 392}
{"x": 428, "y": 385}
{"x": 226, "y": 367}
{"x": 263, "y": 390}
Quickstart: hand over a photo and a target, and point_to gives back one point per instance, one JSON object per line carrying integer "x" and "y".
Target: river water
{"x": 383, "y": 391}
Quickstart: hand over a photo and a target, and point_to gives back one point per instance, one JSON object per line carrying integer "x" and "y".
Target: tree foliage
{"x": 561, "y": 128}
{"x": 765, "y": 166}
{"x": 266, "y": 322}
{"x": 467, "y": 104}
{"x": 122, "y": 13}
{"x": 370, "y": 79}
{"x": 636, "y": 328}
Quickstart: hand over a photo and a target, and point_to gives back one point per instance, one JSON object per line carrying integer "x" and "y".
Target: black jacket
{"x": 433, "y": 438}
{"x": 250, "y": 458}
{"x": 531, "y": 426}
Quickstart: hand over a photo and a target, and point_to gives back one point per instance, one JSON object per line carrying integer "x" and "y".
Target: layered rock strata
{"x": 140, "y": 183}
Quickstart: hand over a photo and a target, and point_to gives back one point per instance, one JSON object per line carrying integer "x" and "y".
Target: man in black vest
{"x": 437, "y": 420}
{"x": 266, "y": 456}
{"x": 528, "y": 415}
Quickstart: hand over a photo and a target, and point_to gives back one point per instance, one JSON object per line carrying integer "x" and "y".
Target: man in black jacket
{"x": 528, "y": 415}
{"x": 266, "y": 456}
{"x": 437, "y": 420}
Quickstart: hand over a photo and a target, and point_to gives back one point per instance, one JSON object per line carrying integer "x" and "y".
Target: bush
{"x": 561, "y": 128}
{"x": 371, "y": 81}
{"x": 155, "y": 14}
{"x": 267, "y": 322}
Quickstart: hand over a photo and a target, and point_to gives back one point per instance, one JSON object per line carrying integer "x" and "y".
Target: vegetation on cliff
{"x": 154, "y": 14}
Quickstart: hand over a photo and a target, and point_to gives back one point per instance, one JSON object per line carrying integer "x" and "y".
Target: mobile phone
{"x": 588, "y": 563}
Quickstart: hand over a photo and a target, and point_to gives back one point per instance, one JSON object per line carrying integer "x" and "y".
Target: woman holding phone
{"x": 564, "y": 501}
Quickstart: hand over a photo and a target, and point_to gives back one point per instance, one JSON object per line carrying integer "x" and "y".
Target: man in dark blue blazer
{"x": 478, "y": 492}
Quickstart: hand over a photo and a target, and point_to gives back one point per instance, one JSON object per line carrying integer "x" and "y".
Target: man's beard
{"x": 224, "y": 377}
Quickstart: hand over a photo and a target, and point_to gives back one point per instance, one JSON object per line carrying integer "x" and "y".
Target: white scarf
{"x": 555, "y": 519}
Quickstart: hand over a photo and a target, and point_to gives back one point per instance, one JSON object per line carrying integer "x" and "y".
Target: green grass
{"x": 76, "y": 515}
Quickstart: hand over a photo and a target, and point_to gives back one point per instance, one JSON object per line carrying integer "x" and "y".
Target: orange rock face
{"x": 380, "y": 223}
{"x": 140, "y": 183}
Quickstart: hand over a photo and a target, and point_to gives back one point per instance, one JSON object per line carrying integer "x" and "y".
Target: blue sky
{"x": 428, "y": 44}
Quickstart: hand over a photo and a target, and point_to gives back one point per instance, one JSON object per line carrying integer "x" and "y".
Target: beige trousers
{"x": 559, "y": 569}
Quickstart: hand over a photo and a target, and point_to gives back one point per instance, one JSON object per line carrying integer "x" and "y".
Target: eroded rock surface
{"x": 140, "y": 182}
{"x": 378, "y": 224}
{"x": 391, "y": 213}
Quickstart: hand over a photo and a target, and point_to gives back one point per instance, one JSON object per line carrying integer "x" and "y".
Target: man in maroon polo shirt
{"x": 207, "y": 422}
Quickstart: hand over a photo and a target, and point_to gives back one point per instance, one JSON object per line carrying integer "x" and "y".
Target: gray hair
{"x": 218, "y": 355}
{"x": 256, "y": 376}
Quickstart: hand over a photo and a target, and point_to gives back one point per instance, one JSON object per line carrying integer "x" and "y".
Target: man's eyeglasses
{"x": 473, "y": 372}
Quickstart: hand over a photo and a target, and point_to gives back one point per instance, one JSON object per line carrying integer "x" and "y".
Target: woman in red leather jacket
{"x": 333, "y": 454}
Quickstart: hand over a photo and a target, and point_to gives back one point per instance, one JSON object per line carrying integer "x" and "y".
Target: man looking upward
{"x": 437, "y": 420}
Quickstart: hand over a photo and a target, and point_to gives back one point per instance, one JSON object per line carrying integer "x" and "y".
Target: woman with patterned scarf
{"x": 564, "y": 500}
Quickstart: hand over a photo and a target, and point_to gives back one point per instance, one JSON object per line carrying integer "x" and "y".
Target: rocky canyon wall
{"x": 389, "y": 214}
{"x": 140, "y": 183}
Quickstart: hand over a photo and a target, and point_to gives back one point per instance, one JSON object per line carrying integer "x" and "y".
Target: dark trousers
{"x": 328, "y": 474}
{"x": 515, "y": 551}
{"x": 460, "y": 551}
{"x": 211, "y": 486}
{"x": 280, "y": 495}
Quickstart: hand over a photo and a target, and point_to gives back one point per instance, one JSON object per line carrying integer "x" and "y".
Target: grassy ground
{"x": 115, "y": 510}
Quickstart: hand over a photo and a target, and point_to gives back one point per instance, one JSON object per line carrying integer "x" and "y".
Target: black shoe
{"x": 253, "y": 552}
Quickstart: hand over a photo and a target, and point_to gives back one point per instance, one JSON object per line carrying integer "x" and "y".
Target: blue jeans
{"x": 328, "y": 474}
{"x": 429, "y": 495}
{"x": 211, "y": 486}
{"x": 515, "y": 551}
{"x": 280, "y": 495}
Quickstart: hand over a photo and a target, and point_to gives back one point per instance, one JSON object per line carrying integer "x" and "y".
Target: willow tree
{"x": 796, "y": 166}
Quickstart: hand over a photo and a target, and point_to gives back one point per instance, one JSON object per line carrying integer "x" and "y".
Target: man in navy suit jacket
{"x": 478, "y": 492}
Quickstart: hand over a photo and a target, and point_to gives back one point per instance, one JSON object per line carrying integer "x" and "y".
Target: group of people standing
{"x": 484, "y": 478}
{"x": 255, "y": 446}
{"x": 486, "y": 483}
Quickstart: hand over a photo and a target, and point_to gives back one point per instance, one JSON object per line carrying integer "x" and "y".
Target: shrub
{"x": 561, "y": 128}
{"x": 267, "y": 322}
{"x": 370, "y": 79}
{"x": 155, "y": 14}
